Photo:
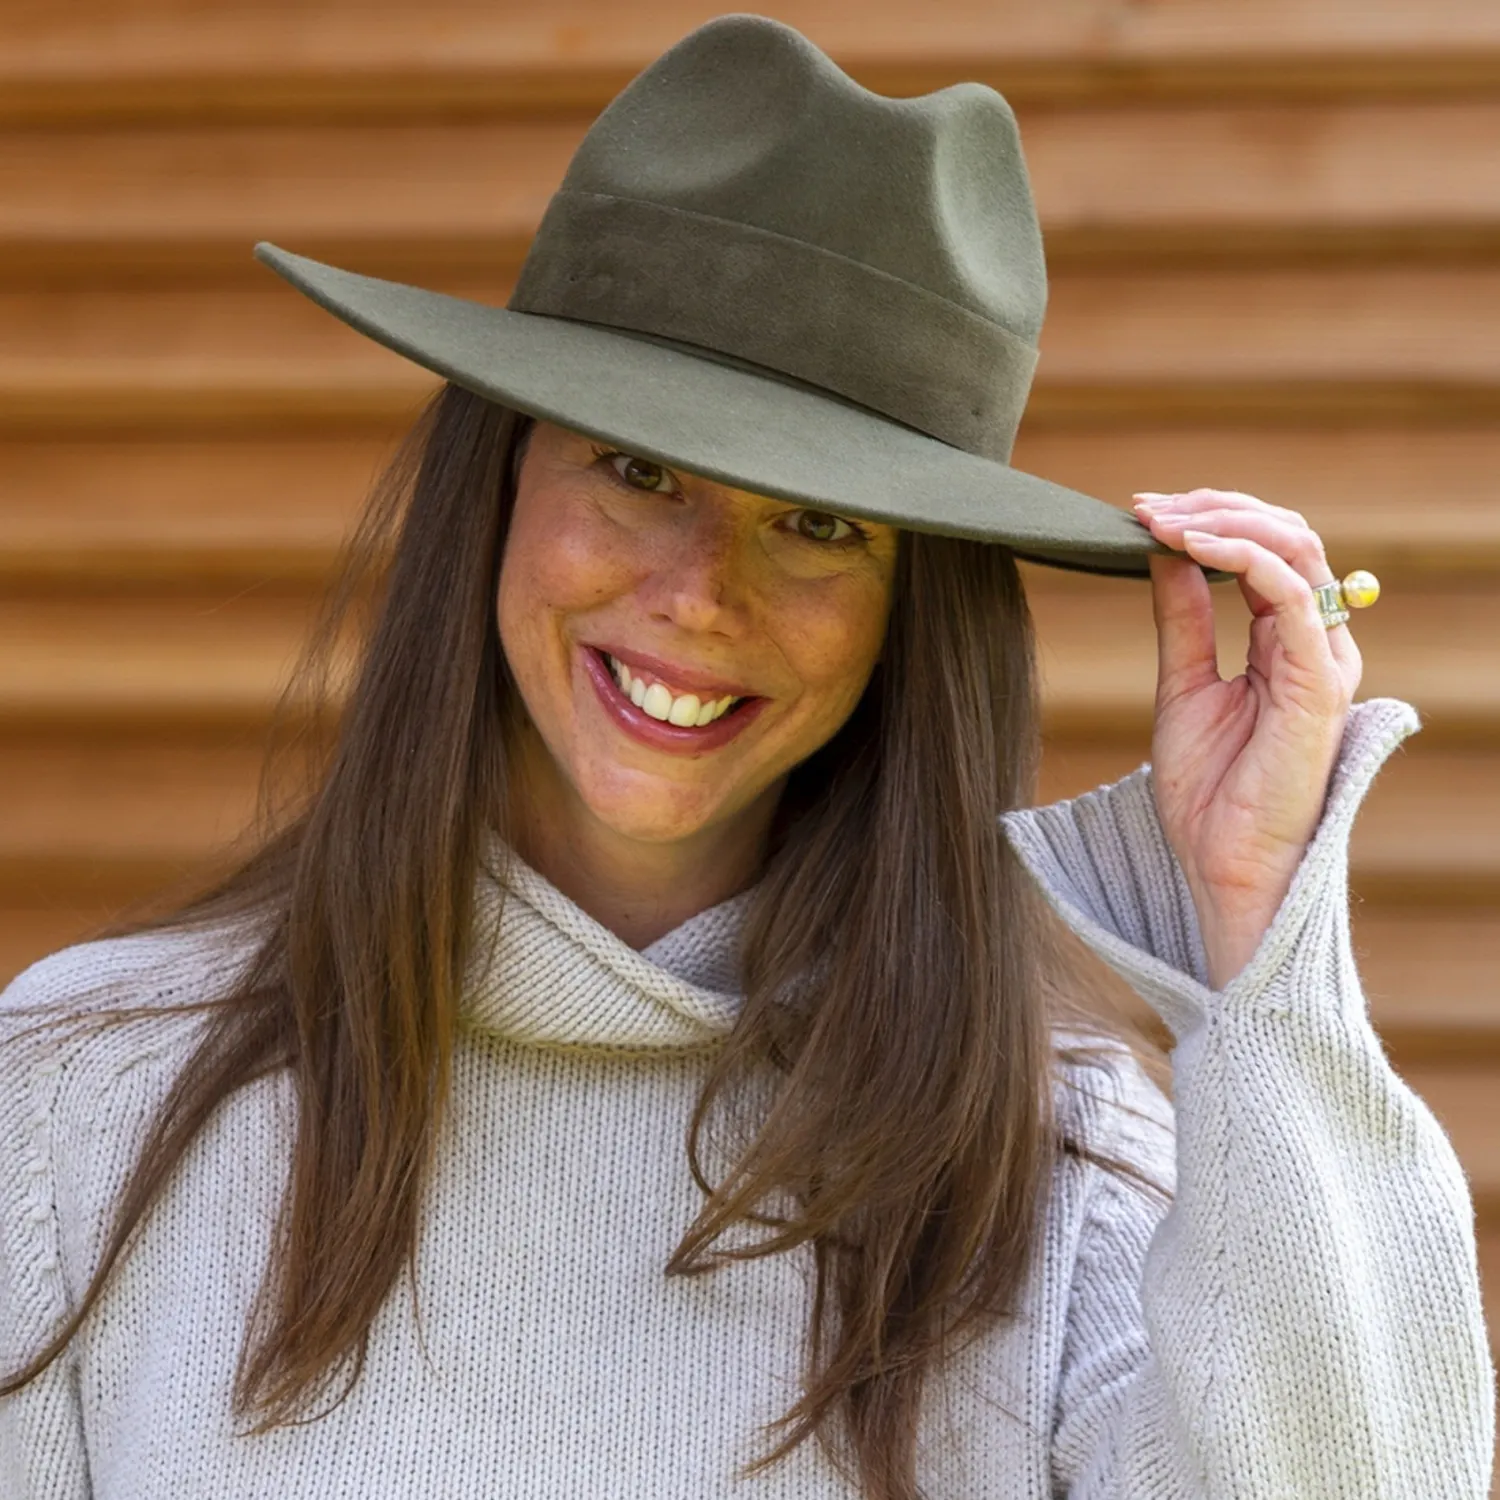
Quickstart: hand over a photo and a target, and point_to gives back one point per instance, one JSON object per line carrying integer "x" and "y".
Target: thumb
{"x": 1187, "y": 655}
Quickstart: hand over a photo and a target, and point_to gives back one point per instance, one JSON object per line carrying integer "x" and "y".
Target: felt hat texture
{"x": 759, "y": 271}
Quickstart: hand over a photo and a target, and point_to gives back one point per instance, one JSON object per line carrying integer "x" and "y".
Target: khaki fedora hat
{"x": 757, "y": 270}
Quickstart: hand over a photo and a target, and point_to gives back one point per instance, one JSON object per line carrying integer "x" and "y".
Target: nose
{"x": 699, "y": 581}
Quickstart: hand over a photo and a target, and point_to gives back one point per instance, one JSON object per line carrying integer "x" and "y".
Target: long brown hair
{"x": 901, "y": 974}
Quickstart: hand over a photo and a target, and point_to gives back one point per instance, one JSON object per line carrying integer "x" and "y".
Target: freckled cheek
{"x": 833, "y": 649}
{"x": 560, "y": 562}
{"x": 577, "y": 566}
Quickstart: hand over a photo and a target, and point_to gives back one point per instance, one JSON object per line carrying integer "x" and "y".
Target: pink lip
{"x": 682, "y": 679}
{"x": 660, "y": 736}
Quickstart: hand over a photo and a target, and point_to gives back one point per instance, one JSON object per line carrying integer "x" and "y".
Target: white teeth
{"x": 657, "y": 700}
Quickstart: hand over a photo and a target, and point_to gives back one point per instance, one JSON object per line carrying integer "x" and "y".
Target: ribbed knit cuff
{"x": 1103, "y": 862}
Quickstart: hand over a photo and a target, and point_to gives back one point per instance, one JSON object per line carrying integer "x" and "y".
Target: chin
{"x": 652, "y": 825}
{"x": 650, "y": 809}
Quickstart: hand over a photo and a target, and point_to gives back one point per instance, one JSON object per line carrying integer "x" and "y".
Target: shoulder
{"x": 150, "y": 974}
{"x": 75, "y": 1023}
{"x": 143, "y": 969}
{"x": 92, "y": 1039}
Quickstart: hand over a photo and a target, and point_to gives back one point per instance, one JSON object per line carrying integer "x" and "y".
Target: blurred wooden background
{"x": 1274, "y": 234}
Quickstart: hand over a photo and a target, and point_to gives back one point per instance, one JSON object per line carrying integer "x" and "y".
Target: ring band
{"x": 1357, "y": 590}
{"x": 1329, "y": 598}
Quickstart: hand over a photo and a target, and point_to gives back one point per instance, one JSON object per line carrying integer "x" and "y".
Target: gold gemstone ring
{"x": 1357, "y": 590}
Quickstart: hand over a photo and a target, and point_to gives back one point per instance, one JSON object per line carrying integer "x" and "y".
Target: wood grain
{"x": 190, "y": 59}
{"x": 1363, "y": 179}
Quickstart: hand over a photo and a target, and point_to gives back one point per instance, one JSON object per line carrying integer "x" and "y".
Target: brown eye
{"x": 819, "y": 526}
{"x": 638, "y": 473}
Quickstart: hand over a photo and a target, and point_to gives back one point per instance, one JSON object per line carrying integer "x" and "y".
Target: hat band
{"x": 796, "y": 308}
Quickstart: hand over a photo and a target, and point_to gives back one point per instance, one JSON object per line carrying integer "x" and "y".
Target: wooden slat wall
{"x": 1275, "y": 246}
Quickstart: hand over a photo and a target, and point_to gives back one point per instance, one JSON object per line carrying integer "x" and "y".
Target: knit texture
{"x": 1304, "y": 1320}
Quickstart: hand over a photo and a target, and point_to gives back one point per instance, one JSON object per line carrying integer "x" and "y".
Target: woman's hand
{"x": 1241, "y": 768}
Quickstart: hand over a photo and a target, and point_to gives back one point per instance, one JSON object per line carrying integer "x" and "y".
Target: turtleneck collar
{"x": 546, "y": 973}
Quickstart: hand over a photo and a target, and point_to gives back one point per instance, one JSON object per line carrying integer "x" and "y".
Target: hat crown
{"x": 745, "y": 198}
{"x": 746, "y": 120}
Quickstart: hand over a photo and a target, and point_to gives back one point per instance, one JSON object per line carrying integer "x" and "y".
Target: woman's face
{"x": 679, "y": 645}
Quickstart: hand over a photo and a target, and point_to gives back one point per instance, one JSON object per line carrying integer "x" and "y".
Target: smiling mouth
{"x": 685, "y": 710}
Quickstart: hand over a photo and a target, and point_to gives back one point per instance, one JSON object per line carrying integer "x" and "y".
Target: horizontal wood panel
{"x": 114, "y": 198}
{"x": 181, "y": 656}
{"x": 1306, "y": 344}
{"x": 1463, "y": 1100}
{"x": 161, "y": 396}
{"x": 1432, "y": 975}
{"x": 1402, "y": 501}
{"x": 235, "y": 58}
{"x": 103, "y": 30}
{"x": 1489, "y": 1285}
{"x": 76, "y": 804}
{"x": 30, "y": 930}
{"x": 396, "y": 198}
{"x": 1229, "y": 169}
{"x": 1292, "y": 324}
{"x": 1406, "y": 942}
{"x": 205, "y": 510}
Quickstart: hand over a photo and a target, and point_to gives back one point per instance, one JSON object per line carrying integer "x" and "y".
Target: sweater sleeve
{"x": 1305, "y": 1318}
{"x": 42, "y": 1452}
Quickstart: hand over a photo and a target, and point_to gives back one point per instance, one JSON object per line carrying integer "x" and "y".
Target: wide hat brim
{"x": 696, "y": 411}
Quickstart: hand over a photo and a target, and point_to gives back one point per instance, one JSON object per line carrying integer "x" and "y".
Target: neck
{"x": 640, "y": 890}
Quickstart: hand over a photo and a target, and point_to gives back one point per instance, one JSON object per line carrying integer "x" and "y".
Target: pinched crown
{"x": 745, "y": 196}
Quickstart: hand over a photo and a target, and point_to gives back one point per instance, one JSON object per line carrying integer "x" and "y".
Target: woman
{"x": 641, "y": 1067}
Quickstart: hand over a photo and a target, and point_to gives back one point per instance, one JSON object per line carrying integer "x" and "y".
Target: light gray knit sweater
{"x": 1304, "y": 1323}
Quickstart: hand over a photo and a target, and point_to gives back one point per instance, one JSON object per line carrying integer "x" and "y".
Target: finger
{"x": 1169, "y": 515}
{"x": 1299, "y": 628}
{"x": 1265, "y": 642}
{"x": 1187, "y": 655}
{"x": 1203, "y": 498}
{"x": 1296, "y": 544}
